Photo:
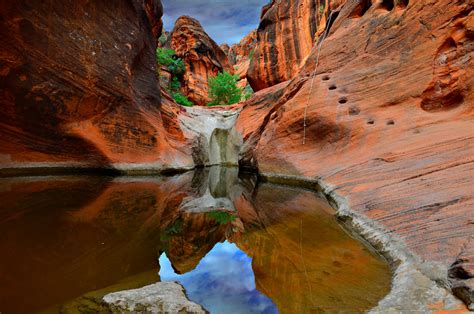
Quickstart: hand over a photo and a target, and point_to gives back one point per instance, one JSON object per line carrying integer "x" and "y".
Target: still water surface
{"x": 235, "y": 245}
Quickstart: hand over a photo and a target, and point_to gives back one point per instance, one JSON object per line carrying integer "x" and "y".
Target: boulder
{"x": 161, "y": 297}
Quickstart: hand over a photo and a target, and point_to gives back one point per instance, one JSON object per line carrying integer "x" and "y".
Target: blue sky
{"x": 223, "y": 282}
{"x": 226, "y": 21}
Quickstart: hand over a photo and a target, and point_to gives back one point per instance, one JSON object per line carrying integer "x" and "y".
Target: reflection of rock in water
{"x": 302, "y": 258}
{"x": 91, "y": 233}
{"x": 218, "y": 187}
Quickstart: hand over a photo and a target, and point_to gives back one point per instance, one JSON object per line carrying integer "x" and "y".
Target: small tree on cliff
{"x": 223, "y": 89}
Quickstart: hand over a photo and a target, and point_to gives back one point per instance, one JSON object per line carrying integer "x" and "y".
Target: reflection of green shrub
{"x": 223, "y": 89}
{"x": 182, "y": 100}
{"x": 221, "y": 217}
{"x": 174, "y": 228}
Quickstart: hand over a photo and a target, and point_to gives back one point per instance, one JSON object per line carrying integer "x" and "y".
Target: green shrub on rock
{"x": 182, "y": 99}
{"x": 167, "y": 57}
{"x": 175, "y": 84}
{"x": 223, "y": 89}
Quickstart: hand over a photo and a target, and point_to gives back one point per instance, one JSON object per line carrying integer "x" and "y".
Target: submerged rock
{"x": 161, "y": 297}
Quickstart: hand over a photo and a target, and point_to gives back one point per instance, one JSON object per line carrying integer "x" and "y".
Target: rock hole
{"x": 387, "y": 5}
{"x": 448, "y": 45}
{"x": 435, "y": 101}
{"x": 332, "y": 87}
{"x": 343, "y": 100}
{"x": 370, "y": 121}
{"x": 354, "y": 110}
{"x": 325, "y": 78}
{"x": 361, "y": 9}
{"x": 390, "y": 122}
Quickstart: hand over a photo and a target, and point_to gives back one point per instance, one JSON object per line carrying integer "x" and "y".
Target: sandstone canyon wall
{"x": 389, "y": 130}
{"x": 284, "y": 39}
{"x": 389, "y": 113}
{"x": 202, "y": 56}
{"x": 78, "y": 87}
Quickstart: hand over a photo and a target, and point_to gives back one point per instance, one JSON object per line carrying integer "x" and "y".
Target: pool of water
{"x": 236, "y": 246}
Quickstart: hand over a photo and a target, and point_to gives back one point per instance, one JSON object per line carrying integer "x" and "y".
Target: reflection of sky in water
{"x": 223, "y": 282}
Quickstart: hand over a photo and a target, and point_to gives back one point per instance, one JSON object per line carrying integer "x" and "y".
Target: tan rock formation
{"x": 202, "y": 56}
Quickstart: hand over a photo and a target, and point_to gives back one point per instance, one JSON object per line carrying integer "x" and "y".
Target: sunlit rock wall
{"x": 389, "y": 127}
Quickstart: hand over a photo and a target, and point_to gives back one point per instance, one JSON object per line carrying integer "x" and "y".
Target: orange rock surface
{"x": 241, "y": 54}
{"x": 78, "y": 87}
{"x": 389, "y": 125}
{"x": 284, "y": 39}
{"x": 202, "y": 56}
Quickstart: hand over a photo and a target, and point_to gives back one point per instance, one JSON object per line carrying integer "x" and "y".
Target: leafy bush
{"x": 175, "y": 84}
{"x": 177, "y": 67}
{"x": 167, "y": 57}
{"x": 223, "y": 89}
{"x": 164, "y": 56}
{"x": 162, "y": 39}
{"x": 182, "y": 100}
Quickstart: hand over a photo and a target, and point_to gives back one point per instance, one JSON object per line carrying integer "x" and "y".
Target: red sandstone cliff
{"x": 240, "y": 55}
{"x": 202, "y": 56}
{"x": 390, "y": 124}
{"x": 78, "y": 87}
{"x": 284, "y": 39}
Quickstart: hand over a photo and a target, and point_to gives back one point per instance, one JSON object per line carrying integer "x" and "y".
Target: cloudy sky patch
{"x": 226, "y": 21}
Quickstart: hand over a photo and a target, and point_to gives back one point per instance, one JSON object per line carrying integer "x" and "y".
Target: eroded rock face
{"x": 202, "y": 56}
{"x": 284, "y": 39}
{"x": 389, "y": 124}
{"x": 79, "y": 88}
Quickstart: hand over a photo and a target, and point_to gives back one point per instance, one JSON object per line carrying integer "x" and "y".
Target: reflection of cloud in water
{"x": 223, "y": 282}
